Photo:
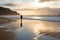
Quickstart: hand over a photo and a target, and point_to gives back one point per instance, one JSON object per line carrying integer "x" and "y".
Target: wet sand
{"x": 38, "y": 30}
{"x": 31, "y": 30}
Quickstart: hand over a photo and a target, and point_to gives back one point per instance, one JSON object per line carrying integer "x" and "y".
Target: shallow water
{"x": 29, "y": 31}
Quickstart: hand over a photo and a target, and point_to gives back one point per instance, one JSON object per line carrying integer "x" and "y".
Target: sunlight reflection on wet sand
{"x": 39, "y": 27}
{"x": 33, "y": 28}
{"x": 42, "y": 25}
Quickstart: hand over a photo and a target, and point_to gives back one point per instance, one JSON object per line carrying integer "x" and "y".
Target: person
{"x": 21, "y": 20}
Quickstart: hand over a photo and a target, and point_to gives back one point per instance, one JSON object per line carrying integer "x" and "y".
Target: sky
{"x": 30, "y": 3}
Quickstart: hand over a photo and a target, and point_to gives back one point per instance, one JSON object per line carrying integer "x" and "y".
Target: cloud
{"x": 33, "y": 4}
{"x": 9, "y": 4}
{"x": 4, "y": 1}
{"x": 20, "y": 4}
{"x": 55, "y": 4}
{"x": 47, "y": 0}
{"x": 14, "y": 3}
{"x": 49, "y": 11}
{"x": 51, "y": 4}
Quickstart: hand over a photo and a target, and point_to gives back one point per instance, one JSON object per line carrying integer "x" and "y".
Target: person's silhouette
{"x": 21, "y": 20}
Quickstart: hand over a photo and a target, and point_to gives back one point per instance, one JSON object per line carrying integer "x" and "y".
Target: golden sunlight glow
{"x": 40, "y": 4}
{"x": 36, "y": 29}
{"x": 35, "y": 17}
{"x": 50, "y": 4}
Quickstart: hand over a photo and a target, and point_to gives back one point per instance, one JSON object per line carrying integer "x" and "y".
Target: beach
{"x": 32, "y": 29}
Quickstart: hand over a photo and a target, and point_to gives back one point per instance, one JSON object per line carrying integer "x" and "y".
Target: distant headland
{"x": 7, "y": 11}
